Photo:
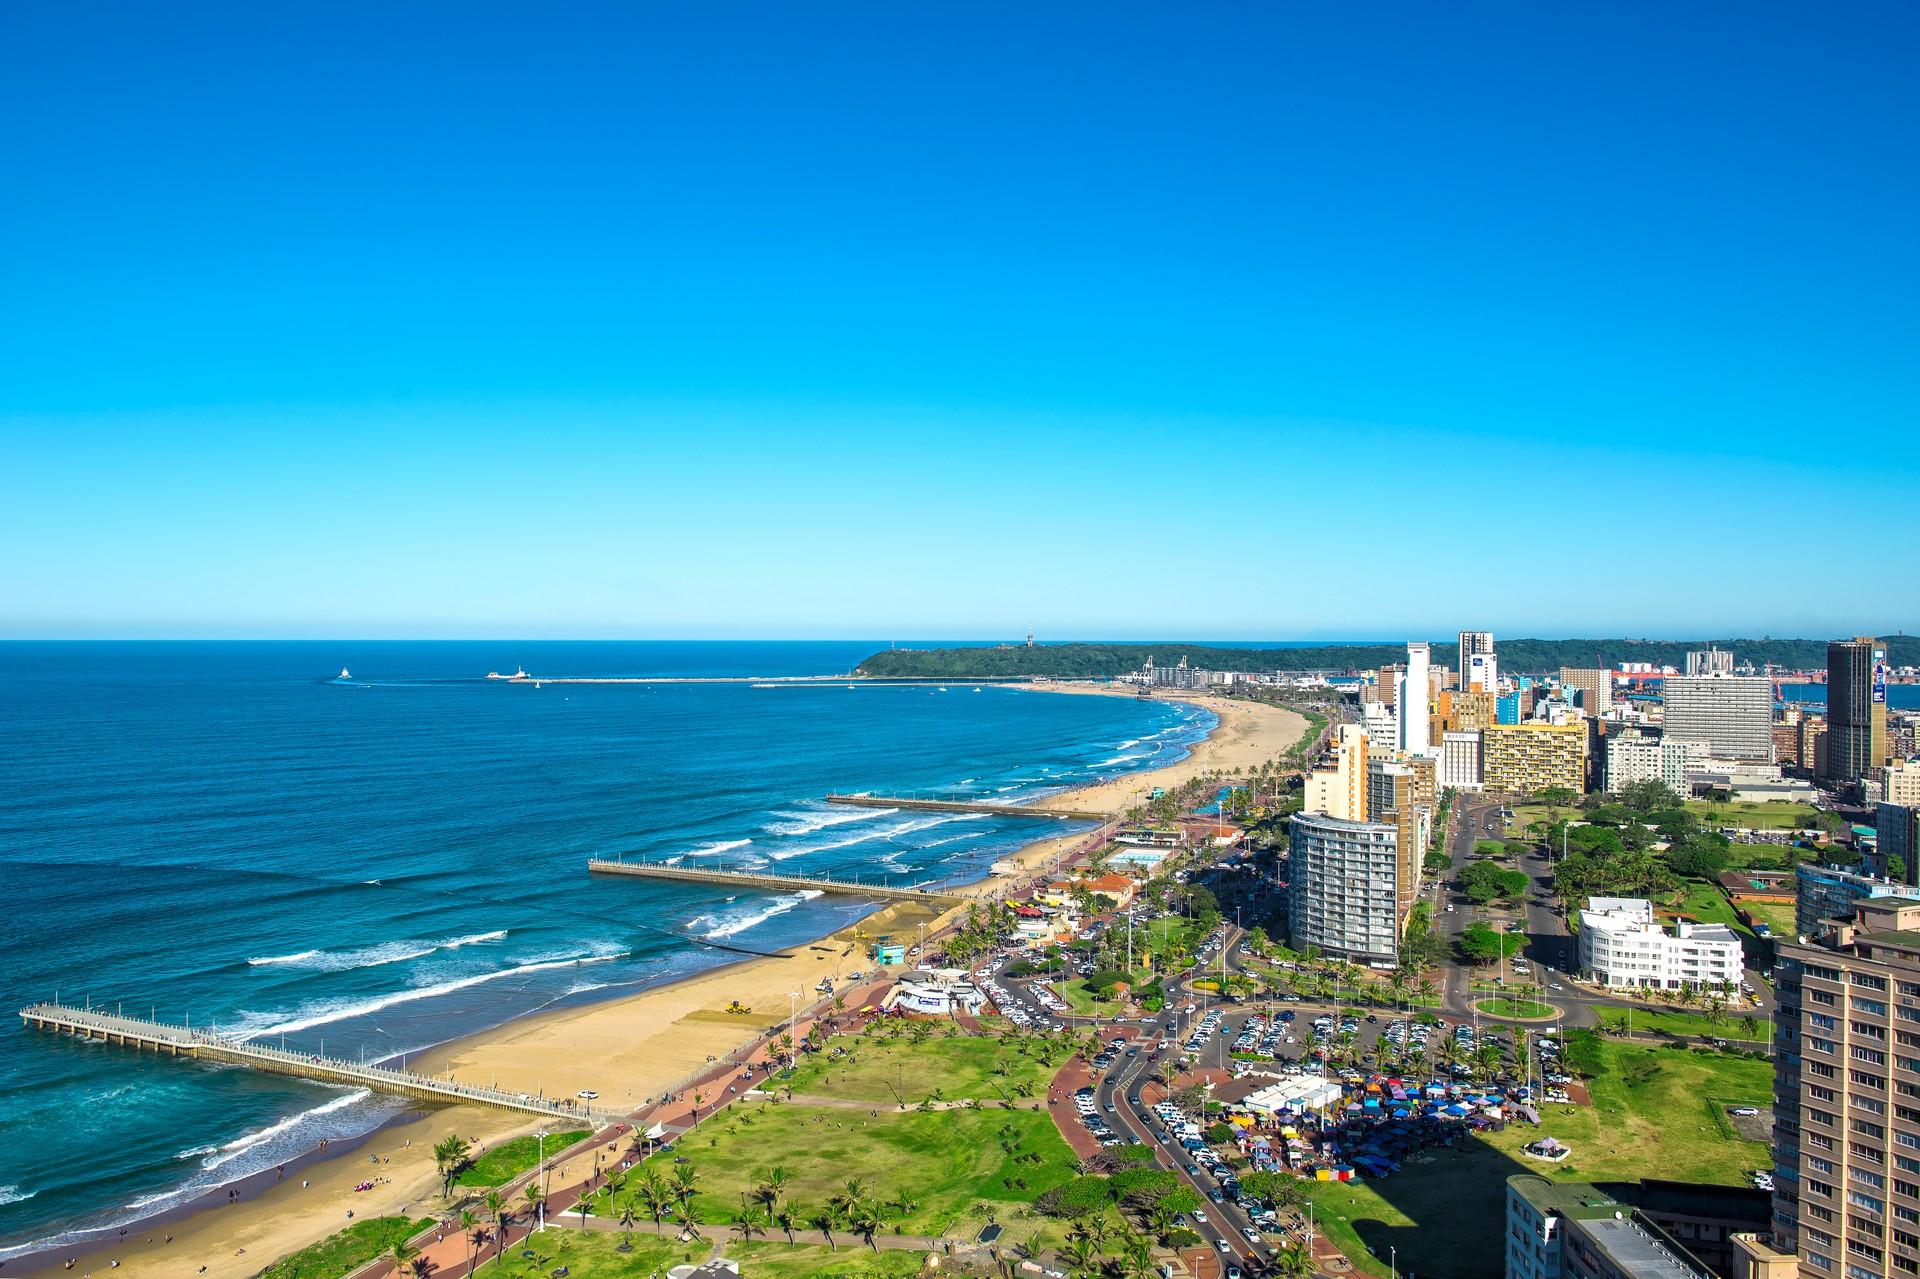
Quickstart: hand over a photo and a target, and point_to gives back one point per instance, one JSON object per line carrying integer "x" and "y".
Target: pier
{"x": 967, "y": 806}
{"x": 756, "y": 879}
{"x": 209, "y": 1045}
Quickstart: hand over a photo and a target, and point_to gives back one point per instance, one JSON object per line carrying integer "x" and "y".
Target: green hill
{"x": 1530, "y": 656}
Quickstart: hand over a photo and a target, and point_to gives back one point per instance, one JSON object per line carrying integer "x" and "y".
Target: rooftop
{"x": 1578, "y": 1200}
{"x": 1640, "y": 1253}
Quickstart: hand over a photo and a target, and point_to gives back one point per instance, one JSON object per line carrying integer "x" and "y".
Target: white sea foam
{"x": 894, "y": 831}
{"x": 719, "y": 846}
{"x": 725, "y": 924}
{"x": 242, "y": 1144}
{"x": 14, "y": 1195}
{"x": 393, "y": 952}
{"x": 255, "y": 1025}
{"x": 806, "y": 823}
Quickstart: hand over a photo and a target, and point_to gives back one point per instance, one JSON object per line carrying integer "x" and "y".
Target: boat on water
{"x": 976, "y": 688}
{"x": 345, "y": 673}
{"x": 943, "y": 688}
{"x": 519, "y": 672}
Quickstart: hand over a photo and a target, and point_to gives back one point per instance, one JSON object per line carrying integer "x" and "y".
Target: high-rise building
{"x": 1507, "y": 709}
{"x": 1900, "y": 783}
{"x": 1846, "y": 1132}
{"x": 1460, "y": 763}
{"x": 1341, "y": 790}
{"x": 1401, "y": 793}
{"x": 1732, "y": 714}
{"x": 1478, "y": 667}
{"x": 1712, "y": 661}
{"x": 1415, "y": 699}
{"x": 1856, "y": 707}
{"x": 1343, "y": 887}
{"x": 1898, "y": 828}
{"x": 1633, "y": 756}
{"x": 1531, "y": 757}
{"x": 1595, "y": 686}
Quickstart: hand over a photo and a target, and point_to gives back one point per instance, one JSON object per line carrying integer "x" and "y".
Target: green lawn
{"x": 1514, "y": 1008}
{"x": 957, "y": 1164}
{"x": 509, "y": 1159}
{"x": 597, "y": 1255}
{"x": 1772, "y": 815}
{"x": 348, "y": 1250}
{"x": 1650, "y": 1118}
{"x": 1730, "y": 1026}
{"x": 1654, "y": 1115}
{"x": 1707, "y": 904}
{"x": 885, "y": 1066}
{"x": 1776, "y": 915}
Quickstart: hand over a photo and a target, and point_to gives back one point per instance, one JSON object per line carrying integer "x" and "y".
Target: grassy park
{"x": 1729, "y": 1026}
{"x": 1508, "y": 1007}
{"x": 891, "y": 1069}
{"x": 509, "y": 1159}
{"x": 1754, "y": 815}
{"x": 1776, "y": 915}
{"x": 932, "y": 1171}
{"x": 341, "y": 1253}
{"x": 599, "y": 1255}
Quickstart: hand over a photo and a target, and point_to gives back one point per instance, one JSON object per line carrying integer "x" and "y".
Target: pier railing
{"x": 207, "y": 1044}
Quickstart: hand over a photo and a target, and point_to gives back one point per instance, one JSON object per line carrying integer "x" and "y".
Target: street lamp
{"x": 541, "y": 1160}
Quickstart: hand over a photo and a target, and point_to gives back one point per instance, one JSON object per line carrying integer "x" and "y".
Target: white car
{"x": 587, "y": 1094}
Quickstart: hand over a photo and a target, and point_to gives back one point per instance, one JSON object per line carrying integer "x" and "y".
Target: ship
{"x": 519, "y": 672}
{"x": 345, "y": 673}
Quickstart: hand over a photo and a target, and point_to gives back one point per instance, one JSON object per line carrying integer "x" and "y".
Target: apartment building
{"x": 1340, "y": 790}
{"x": 1826, "y": 895}
{"x": 1634, "y": 1229}
{"x": 1460, "y": 761}
{"x": 1622, "y": 948}
{"x": 1847, "y": 1096}
{"x": 1633, "y": 756}
{"x": 1343, "y": 887}
{"x": 1595, "y": 688}
{"x": 1856, "y": 708}
{"x": 1528, "y": 758}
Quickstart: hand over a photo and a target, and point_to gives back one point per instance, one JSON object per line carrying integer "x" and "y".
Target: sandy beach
{"x": 629, "y": 1050}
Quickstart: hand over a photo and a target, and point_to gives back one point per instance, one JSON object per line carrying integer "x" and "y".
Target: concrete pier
{"x": 208, "y": 1045}
{"x": 966, "y": 806}
{"x": 755, "y": 879}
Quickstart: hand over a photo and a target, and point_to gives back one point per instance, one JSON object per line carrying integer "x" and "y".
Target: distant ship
{"x": 345, "y": 673}
{"x": 519, "y": 672}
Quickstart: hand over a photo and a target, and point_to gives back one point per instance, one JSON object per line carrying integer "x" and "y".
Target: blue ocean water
{"x": 230, "y": 833}
{"x": 1899, "y": 696}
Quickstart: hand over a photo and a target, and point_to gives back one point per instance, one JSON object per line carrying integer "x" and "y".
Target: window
{"x": 1867, "y": 981}
{"x": 1871, "y": 1006}
{"x": 1868, "y": 1055}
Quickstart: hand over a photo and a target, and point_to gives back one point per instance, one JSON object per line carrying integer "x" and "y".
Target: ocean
{"x": 230, "y": 833}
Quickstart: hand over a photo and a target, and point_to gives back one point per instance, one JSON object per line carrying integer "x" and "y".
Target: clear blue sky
{"x": 1251, "y": 320}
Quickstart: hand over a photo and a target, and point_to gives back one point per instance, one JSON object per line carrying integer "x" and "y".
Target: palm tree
{"x": 824, "y": 1220}
{"x": 402, "y": 1255}
{"x": 657, "y": 1197}
{"x": 1079, "y": 1253}
{"x": 865, "y": 1218}
{"x": 628, "y": 1219}
{"x": 699, "y": 1099}
{"x": 747, "y": 1220}
{"x": 683, "y": 1188}
{"x": 470, "y": 1227}
{"x": 786, "y": 1220}
{"x": 904, "y": 1203}
{"x": 1294, "y": 1262}
{"x": 450, "y": 1156}
{"x": 496, "y": 1205}
{"x": 534, "y": 1198}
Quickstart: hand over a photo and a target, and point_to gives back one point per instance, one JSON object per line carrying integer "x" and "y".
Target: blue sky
{"x": 711, "y": 320}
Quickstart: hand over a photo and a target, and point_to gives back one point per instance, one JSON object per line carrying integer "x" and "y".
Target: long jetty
{"x": 966, "y": 806}
{"x": 755, "y": 879}
{"x": 204, "y": 1044}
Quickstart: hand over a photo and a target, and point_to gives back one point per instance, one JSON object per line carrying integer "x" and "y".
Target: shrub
{"x": 1081, "y": 1197}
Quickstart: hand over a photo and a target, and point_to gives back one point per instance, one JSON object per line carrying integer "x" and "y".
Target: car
{"x": 587, "y": 1094}
{"x": 1200, "y": 1216}
{"x": 1744, "y": 1112}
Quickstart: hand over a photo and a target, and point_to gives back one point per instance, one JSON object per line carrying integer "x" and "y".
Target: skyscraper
{"x": 1596, "y": 688}
{"x": 1732, "y": 714}
{"x": 1856, "y": 707}
{"x": 1415, "y": 699}
{"x": 1477, "y": 675}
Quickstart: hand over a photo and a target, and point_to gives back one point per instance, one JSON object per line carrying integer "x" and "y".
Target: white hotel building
{"x": 1622, "y": 947}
